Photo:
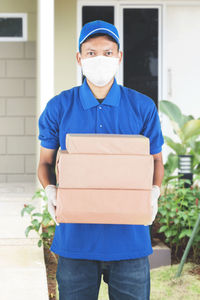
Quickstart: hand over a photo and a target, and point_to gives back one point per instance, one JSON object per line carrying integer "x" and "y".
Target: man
{"x": 100, "y": 105}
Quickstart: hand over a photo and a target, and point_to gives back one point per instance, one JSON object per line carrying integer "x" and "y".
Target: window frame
{"x": 24, "y": 36}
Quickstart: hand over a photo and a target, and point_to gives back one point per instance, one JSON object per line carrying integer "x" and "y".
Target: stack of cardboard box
{"x": 104, "y": 178}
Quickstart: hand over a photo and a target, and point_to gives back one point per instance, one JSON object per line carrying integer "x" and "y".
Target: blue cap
{"x": 98, "y": 26}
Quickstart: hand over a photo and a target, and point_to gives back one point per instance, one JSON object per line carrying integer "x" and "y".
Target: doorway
{"x": 139, "y": 28}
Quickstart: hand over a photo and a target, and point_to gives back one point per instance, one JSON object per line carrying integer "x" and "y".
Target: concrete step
{"x": 13, "y": 227}
{"x": 23, "y": 273}
{"x": 161, "y": 255}
{"x": 17, "y": 191}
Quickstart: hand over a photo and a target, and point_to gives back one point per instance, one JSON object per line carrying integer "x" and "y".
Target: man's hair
{"x": 110, "y": 38}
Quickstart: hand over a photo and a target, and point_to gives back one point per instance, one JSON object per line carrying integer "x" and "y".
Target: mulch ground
{"x": 195, "y": 271}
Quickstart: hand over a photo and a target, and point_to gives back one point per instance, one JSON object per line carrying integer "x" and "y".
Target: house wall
{"x": 18, "y": 76}
{"x": 18, "y": 99}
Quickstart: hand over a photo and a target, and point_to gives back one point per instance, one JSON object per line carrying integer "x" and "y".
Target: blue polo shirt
{"x": 123, "y": 111}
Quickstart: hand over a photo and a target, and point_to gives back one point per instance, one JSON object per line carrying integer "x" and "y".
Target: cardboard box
{"x": 107, "y": 143}
{"x": 105, "y": 206}
{"x": 105, "y": 171}
{"x": 103, "y": 187}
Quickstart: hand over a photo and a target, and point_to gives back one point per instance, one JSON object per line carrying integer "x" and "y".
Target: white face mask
{"x": 100, "y": 69}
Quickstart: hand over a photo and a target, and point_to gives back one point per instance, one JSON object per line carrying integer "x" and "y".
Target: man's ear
{"x": 120, "y": 56}
{"x": 78, "y": 58}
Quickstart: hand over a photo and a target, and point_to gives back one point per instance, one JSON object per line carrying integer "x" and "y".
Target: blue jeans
{"x": 79, "y": 279}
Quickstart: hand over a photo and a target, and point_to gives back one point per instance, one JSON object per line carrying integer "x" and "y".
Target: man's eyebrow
{"x": 90, "y": 49}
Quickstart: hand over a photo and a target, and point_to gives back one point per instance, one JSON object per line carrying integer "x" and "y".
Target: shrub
{"x": 177, "y": 214}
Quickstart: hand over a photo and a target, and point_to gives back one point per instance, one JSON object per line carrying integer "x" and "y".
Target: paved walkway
{"x": 23, "y": 272}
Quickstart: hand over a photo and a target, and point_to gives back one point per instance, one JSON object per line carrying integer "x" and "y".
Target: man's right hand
{"x": 51, "y": 195}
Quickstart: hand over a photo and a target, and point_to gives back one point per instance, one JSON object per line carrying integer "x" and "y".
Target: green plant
{"x": 177, "y": 215}
{"x": 40, "y": 220}
{"x": 187, "y": 130}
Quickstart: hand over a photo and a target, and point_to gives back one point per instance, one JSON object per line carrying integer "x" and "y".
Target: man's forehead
{"x": 105, "y": 48}
{"x": 99, "y": 42}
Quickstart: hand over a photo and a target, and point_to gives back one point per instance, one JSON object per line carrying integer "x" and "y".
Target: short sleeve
{"x": 152, "y": 129}
{"x": 49, "y": 126}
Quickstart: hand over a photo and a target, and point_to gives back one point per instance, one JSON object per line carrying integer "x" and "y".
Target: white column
{"x": 45, "y": 52}
{"x": 45, "y": 60}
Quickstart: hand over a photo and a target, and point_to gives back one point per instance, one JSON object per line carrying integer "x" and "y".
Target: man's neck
{"x": 100, "y": 92}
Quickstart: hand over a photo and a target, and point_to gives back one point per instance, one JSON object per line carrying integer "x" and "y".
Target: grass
{"x": 165, "y": 287}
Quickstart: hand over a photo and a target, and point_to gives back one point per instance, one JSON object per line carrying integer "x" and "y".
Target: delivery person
{"x": 100, "y": 105}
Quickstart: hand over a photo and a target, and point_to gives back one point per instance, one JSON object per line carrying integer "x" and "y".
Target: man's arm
{"x": 46, "y": 168}
{"x": 158, "y": 169}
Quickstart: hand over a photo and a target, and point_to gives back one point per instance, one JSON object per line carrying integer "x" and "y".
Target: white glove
{"x": 51, "y": 195}
{"x": 155, "y": 193}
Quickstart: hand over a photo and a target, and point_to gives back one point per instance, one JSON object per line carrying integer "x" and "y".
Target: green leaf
{"x": 44, "y": 234}
{"x": 162, "y": 212}
{"x": 183, "y": 233}
{"x": 176, "y": 221}
{"x": 28, "y": 209}
{"x": 37, "y": 215}
{"x": 22, "y": 212}
{"x": 168, "y": 233}
{"x": 46, "y": 220}
{"x": 170, "y": 165}
{"x": 173, "y": 232}
{"x": 36, "y": 224}
{"x": 37, "y": 194}
{"x": 185, "y": 203}
{"x": 197, "y": 238}
{"x": 168, "y": 205}
{"x": 185, "y": 118}
{"x": 172, "y": 214}
{"x": 51, "y": 229}
{"x": 163, "y": 228}
{"x": 39, "y": 243}
{"x": 28, "y": 229}
{"x": 162, "y": 220}
{"x": 190, "y": 129}
{"x": 177, "y": 147}
{"x": 172, "y": 111}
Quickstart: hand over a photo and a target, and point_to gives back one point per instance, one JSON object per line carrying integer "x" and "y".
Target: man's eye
{"x": 109, "y": 53}
{"x": 90, "y": 53}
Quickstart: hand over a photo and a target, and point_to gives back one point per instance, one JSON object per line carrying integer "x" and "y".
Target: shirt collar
{"x": 88, "y": 100}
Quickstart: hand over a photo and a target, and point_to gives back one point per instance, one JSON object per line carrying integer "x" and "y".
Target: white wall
{"x": 182, "y": 61}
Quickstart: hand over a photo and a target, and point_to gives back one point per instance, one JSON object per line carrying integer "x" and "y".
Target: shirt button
{"x": 100, "y": 125}
{"x": 100, "y": 107}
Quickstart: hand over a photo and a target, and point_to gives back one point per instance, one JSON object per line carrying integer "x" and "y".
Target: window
{"x": 141, "y": 50}
{"x": 92, "y": 13}
{"x": 13, "y": 27}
